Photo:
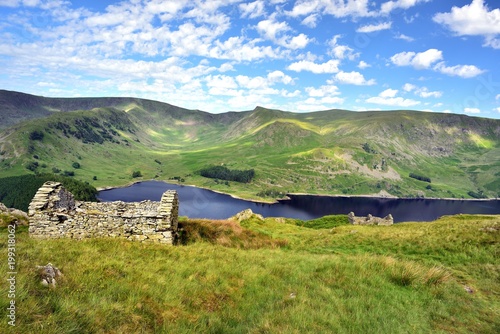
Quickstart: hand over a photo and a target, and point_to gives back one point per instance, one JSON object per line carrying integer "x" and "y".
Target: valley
{"x": 332, "y": 152}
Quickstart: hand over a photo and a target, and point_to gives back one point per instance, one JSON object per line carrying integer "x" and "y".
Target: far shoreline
{"x": 375, "y": 196}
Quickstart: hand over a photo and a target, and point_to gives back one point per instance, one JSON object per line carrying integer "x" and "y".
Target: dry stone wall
{"x": 54, "y": 213}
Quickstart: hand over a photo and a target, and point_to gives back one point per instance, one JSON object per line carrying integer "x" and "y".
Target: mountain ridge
{"x": 325, "y": 152}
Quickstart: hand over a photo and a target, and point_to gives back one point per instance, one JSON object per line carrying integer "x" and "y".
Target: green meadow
{"x": 266, "y": 276}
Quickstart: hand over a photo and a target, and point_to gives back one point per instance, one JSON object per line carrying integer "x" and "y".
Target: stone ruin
{"x": 54, "y": 213}
{"x": 370, "y": 220}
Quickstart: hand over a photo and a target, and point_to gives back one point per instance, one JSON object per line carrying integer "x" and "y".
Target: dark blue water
{"x": 202, "y": 203}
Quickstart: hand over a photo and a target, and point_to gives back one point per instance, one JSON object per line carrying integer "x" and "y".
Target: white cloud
{"x": 275, "y": 32}
{"x": 421, "y": 91}
{"x": 497, "y": 97}
{"x": 331, "y": 66}
{"x": 498, "y": 109}
{"x": 409, "y": 87}
{"x": 323, "y": 91}
{"x": 374, "y": 27}
{"x": 389, "y": 6}
{"x": 270, "y": 28}
{"x": 336, "y": 8}
{"x": 362, "y": 65}
{"x": 388, "y": 98}
{"x": 419, "y": 60}
{"x": 389, "y": 93}
{"x": 311, "y": 21}
{"x": 472, "y": 110}
{"x": 353, "y": 78}
{"x": 405, "y": 38}
{"x": 463, "y": 71}
{"x": 278, "y": 76}
{"x": 341, "y": 51}
{"x": 473, "y": 20}
{"x": 424, "y": 60}
{"x": 252, "y": 9}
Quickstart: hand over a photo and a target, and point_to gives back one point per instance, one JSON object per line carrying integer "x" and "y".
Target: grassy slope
{"x": 318, "y": 152}
{"x": 406, "y": 278}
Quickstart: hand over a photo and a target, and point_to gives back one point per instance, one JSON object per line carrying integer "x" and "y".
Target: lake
{"x": 201, "y": 203}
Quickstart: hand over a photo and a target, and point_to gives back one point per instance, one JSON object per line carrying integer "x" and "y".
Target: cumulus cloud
{"x": 353, "y": 78}
{"x": 275, "y": 31}
{"x": 388, "y": 97}
{"x": 421, "y": 91}
{"x": 405, "y": 38}
{"x": 336, "y": 8}
{"x": 472, "y": 110}
{"x": 463, "y": 71}
{"x": 388, "y": 93}
{"x": 253, "y": 9}
{"x": 389, "y": 6}
{"x": 341, "y": 51}
{"x": 473, "y": 20}
{"x": 418, "y": 60}
{"x": 362, "y": 65}
{"x": 331, "y": 66}
{"x": 323, "y": 91}
{"x": 374, "y": 27}
{"x": 426, "y": 59}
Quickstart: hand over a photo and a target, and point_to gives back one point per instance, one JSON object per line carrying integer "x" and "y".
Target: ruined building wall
{"x": 54, "y": 213}
{"x": 370, "y": 220}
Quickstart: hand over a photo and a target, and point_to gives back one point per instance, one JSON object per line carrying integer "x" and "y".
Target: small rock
{"x": 468, "y": 289}
{"x": 48, "y": 274}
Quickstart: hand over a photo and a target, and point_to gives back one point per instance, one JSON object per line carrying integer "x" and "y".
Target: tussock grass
{"x": 405, "y": 278}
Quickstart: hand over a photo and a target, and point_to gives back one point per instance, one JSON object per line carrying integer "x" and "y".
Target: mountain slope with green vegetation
{"x": 336, "y": 152}
{"x": 266, "y": 276}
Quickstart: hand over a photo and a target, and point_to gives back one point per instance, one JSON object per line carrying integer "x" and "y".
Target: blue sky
{"x": 231, "y": 55}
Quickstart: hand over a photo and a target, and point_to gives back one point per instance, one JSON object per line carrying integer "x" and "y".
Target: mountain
{"x": 337, "y": 152}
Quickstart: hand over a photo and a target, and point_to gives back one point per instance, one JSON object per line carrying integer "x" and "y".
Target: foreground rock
{"x": 245, "y": 214}
{"x": 48, "y": 274}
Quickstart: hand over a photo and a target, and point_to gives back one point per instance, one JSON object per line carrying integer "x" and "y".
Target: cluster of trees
{"x": 420, "y": 177}
{"x": 274, "y": 193}
{"x": 18, "y": 191}
{"x": 224, "y": 173}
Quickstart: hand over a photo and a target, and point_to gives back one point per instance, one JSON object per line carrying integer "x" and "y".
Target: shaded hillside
{"x": 327, "y": 152}
{"x": 17, "y": 107}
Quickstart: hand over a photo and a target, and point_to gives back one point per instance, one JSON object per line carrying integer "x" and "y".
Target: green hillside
{"x": 326, "y": 152}
{"x": 270, "y": 276}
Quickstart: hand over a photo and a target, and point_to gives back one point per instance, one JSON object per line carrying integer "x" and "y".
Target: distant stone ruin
{"x": 54, "y": 213}
{"x": 370, "y": 220}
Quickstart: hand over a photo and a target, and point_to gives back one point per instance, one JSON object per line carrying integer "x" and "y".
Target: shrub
{"x": 32, "y": 166}
{"x": 36, "y": 135}
{"x": 420, "y": 177}
{"x": 136, "y": 173}
{"x": 76, "y": 165}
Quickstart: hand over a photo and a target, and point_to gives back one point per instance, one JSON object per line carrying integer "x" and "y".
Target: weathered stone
{"x": 48, "y": 274}
{"x": 370, "y": 220}
{"x": 245, "y": 214}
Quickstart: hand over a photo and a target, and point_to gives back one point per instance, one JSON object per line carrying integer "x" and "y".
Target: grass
{"x": 267, "y": 276}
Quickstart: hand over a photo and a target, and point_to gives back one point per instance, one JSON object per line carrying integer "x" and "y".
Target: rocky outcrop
{"x": 370, "y": 220}
{"x": 13, "y": 216}
{"x": 245, "y": 214}
{"x": 54, "y": 213}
